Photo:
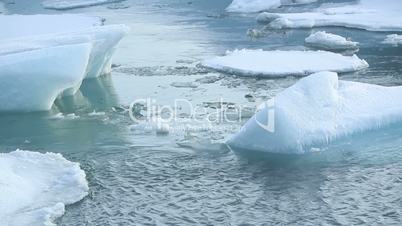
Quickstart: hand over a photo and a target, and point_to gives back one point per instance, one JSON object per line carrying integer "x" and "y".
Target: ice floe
{"x": 35, "y": 187}
{"x": 317, "y": 110}
{"x": 249, "y": 6}
{"x": 28, "y": 45}
{"x": 328, "y": 41}
{"x": 393, "y": 39}
{"x": 72, "y": 4}
{"x": 283, "y": 63}
{"x": 373, "y": 15}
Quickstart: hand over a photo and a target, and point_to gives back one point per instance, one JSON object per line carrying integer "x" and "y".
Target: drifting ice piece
{"x": 249, "y": 6}
{"x": 72, "y": 4}
{"x": 283, "y": 63}
{"x": 35, "y": 187}
{"x": 32, "y": 80}
{"x": 372, "y": 15}
{"x": 393, "y": 39}
{"x": 316, "y": 110}
{"x": 329, "y": 41}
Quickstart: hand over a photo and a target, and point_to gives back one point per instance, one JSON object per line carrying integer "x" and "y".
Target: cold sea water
{"x": 189, "y": 177}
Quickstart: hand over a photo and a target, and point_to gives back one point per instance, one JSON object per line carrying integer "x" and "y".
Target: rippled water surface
{"x": 190, "y": 177}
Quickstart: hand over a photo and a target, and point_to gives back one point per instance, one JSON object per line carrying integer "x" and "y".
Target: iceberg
{"x": 283, "y": 63}
{"x": 35, "y": 187}
{"x": 72, "y": 4}
{"x": 393, "y": 39}
{"x": 43, "y": 36}
{"x": 32, "y": 80}
{"x": 328, "y": 41}
{"x": 250, "y": 6}
{"x": 316, "y": 110}
{"x": 372, "y": 15}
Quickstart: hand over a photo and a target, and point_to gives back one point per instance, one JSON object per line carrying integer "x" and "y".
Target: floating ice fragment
{"x": 35, "y": 187}
{"x": 317, "y": 110}
{"x": 283, "y": 63}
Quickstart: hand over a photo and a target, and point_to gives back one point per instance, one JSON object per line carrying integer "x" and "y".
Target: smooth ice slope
{"x": 283, "y": 63}
{"x": 71, "y": 4}
{"x": 373, "y": 15}
{"x": 317, "y": 110}
{"x": 32, "y": 80}
{"x": 328, "y": 41}
{"x": 249, "y": 6}
{"x": 35, "y": 187}
{"x": 393, "y": 39}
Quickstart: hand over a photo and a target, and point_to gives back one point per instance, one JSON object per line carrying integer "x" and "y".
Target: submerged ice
{"x": 283, "y": 63}
{"x": 44, "y": 56}
{"x": 316, "y": 110}
{"x": 35, "y": 187}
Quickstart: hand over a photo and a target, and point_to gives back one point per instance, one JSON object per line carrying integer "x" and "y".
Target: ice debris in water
{"x": 328, "y": 41}
{"x": 393, "y": 39}
{"x": 35, "y": 187}
{"x": 283, "y": 63}
{"x": 317, "y": 110}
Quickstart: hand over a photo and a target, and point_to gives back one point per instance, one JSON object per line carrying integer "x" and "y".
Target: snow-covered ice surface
{"x": 35, "y": 187}
{"x": 248, "y": 6}
{"x": 32, "y": 80}
{"x": 317, "y": 110}
{"x": 393, "y": 39}
{"x": 329, "y": 41}
{"x": 71, "y": 4}
{"x": 371, "y": 15}
{"x": 283, "y": 63}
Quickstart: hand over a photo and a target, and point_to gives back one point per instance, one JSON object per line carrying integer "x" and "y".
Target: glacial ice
{"x": 283, "y": 63}
{"x": 249, "y": 6}
{"x": 393, "y": 39}
{"x": 328, "y": 41}
{"x": 316, "y": 110}
{"x": 372, "y": 15}
{"x": 43, "y": 36}
{"x": 32, "y": 80}
{"x": 35, "y": 187}
{"x": 72, "y": 4}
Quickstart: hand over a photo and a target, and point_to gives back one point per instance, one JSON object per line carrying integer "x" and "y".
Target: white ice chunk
{"x": 328, "y": 41}
{"x": 32, "y": 80}
{"x": 393, "y": 39}
{"x": 35, "y": 187}
{"x": 249, "y": 6}
{"x": 72, "y": 4}
{"x": 316, "y": 110}
{"x": 283, "y": 63}
{"x": 373, "y": 15}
